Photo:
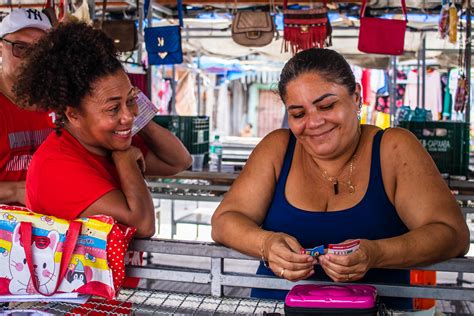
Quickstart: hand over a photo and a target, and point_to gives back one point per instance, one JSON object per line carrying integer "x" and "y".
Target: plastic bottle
{"x": 215, "y": 155}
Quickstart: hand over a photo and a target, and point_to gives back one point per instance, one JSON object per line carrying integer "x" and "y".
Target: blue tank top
{"x": 374, "y": 217}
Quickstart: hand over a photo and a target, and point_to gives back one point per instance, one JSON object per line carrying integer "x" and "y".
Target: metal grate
{"x": 146, "y": 302}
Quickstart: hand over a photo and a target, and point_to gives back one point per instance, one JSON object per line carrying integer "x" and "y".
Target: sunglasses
{"x": 19, "y": 49}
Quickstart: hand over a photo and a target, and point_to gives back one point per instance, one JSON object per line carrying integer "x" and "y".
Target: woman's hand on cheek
{"x": 352, "y": 267}
{"x": 130, "y": 155}
{"x": 283, "y": 255}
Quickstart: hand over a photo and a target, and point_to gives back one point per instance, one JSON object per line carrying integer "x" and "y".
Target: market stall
{"x": 211, "y": 82}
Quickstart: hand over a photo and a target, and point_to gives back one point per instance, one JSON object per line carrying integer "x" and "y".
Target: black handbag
{"x": 163, "y": 43}
{"x": 122, "y": 32}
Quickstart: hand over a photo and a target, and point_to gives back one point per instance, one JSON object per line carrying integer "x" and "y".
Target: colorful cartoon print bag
{"x": 84, "y": 256}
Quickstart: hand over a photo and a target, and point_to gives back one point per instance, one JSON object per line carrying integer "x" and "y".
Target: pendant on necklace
{"x": 335, "y": 184}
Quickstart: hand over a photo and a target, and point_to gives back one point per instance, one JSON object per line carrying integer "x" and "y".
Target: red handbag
{"x": 304, "y": 29}
{"x": 382, "y": 36}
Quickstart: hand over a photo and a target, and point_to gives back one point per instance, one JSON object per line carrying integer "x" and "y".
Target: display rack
{"x": 146, "y": 302}
{"x": 217, "y": 276}
{"x": 211, "y": 187}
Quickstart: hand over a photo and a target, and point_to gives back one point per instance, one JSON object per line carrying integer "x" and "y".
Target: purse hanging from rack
{"x": 253, "y": 28}
{"x": 163, "y": 43}
{"x": 462, "y": 89}
{"x": 382, "y": 36}
{"x": 453, "y": 23}
{"x": 122, "y": 32}
{"x": 304, "y": 29}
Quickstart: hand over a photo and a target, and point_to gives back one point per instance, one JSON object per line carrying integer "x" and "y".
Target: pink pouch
{"x": 331, "y": 299}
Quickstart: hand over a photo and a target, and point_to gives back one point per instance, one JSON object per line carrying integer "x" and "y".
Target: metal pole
{"x": 173, "y": 89}
{"x": 423, "y": 70}
{"x": 149, "y": 73}
{"x": 468, "y": 61}
{"x": 140, "y": 11}
{"x": 418, "y": 83}
{"x": 198, "y": 79}
{"x": 393, "y": 92}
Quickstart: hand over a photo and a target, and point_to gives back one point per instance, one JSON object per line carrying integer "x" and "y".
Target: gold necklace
{"x": 335, "y": 181}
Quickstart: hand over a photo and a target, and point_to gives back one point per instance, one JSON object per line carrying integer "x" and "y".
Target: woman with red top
{"x": 92, "y": 164}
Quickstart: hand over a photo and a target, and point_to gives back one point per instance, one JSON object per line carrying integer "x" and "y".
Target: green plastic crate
{"x": 447, "y": 143}
{"x": 193, "y": 131}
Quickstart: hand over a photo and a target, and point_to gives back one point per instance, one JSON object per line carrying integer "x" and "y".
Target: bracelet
{"x": 262, "y": 249}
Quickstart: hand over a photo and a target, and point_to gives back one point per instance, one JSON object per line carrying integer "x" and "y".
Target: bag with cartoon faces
{"x": 85, "y": 256}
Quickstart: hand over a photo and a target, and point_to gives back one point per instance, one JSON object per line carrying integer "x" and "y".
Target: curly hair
{"x": 327, "y": 63}
{"x": 61, "y": 67}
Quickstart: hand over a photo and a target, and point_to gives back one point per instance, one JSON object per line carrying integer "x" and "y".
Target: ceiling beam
{"x": 247, "y": 2}
{"x": 42, "y": 5}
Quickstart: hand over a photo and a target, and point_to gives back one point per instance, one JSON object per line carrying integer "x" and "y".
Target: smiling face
{"x": 103, "y": 123}
{"x": 322, "y": 114}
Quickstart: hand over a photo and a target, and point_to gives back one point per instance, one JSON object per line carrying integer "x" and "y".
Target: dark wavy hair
{"x": 61, "y": 67}
{"x": 327, "y": 63}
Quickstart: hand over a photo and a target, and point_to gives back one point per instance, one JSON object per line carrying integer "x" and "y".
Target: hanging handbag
{"x": 122, "y": 32}
{"x": 453, "y": 23}
{"x": 462, "y": 89}
{"x": 84, "y": 256}
{"x": 461, "y": 95}
{"x": 305, "y": 29}
{"x": 163, "y": 43}
{"x": 382, "y": 36}
{"x": 253, "y": 29}
{"x": 443, "y": 21}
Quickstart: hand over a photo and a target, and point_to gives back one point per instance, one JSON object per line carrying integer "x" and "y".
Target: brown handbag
{"x": 122, "y": 32}
{"x": 253, "y": 29}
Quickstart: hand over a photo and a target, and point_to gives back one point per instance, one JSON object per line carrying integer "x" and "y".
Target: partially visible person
{"x": 92, "y": 164}
{"x": 329, "y": 179}
{"x": 247, "y": 130}
{"x": 21, "y": 131}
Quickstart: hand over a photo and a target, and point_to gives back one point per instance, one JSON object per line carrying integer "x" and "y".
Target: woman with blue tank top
{"x": 328, "y": 180}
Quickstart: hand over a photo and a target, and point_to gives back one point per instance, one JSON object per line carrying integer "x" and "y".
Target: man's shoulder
{"x": 24, "y": 118}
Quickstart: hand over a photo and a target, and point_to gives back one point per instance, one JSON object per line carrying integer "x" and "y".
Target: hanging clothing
{"x": 82, "y": 13}
{"x": 223, "y": 108}
{"x": 382, "y": 120}
{"x": 432, "y": 92}
{"x": 186, "y": 102}
{"x": 367, "y": 94}
{"x": 238, "y": 111}
{"x": 447, "y": 98}
{"x": 210, "y": 98}
{"x": 377, "y": 80}
{"x": 374, "y": 217}
{"x": 382, "y": 101}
